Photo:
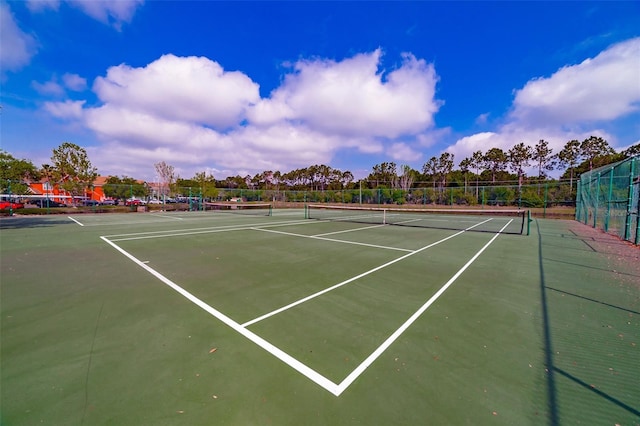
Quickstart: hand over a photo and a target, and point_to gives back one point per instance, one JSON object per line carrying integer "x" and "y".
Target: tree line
{"x": 490, "y": 167}
{"x": 72, "y": 171}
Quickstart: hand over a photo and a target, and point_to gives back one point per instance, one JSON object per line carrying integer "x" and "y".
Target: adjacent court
{"x": 317, "y": 316}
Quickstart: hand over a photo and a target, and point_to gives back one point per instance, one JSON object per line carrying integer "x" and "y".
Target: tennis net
{"x": 255, "y": 209}
{"x": 494, "y": 220}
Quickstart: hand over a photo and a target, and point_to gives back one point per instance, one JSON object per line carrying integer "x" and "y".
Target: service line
{"x": 316, "y": 237}
{"x": 357, "y": 277}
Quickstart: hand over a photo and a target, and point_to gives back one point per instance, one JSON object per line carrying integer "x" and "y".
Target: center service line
{"x": 364, "y": 274}
{"x": 375, "y": 354}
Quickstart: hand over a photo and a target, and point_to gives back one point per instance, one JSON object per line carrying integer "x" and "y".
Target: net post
{"x": 270, "y": 210}
{"x": 529, "y": 220}
{"x": 384, "y": 216}
{"x": 306, "y": 211}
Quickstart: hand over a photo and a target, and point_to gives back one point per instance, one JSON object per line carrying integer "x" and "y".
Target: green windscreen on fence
{"x": 608, "y": 199}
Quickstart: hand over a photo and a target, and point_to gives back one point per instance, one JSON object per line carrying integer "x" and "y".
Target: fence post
{"x": 627, "y": 224}
{"x": 546, "y": 191}
{"x": 609, "y": 196}
{"x": 595, "y": 208}
{"x": 10, "y": 199}
{"x": 578, "y": 210}
{"x": 519, "y": 196}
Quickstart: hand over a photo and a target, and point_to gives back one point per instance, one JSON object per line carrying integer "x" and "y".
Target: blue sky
{"x": 242, "y": 87}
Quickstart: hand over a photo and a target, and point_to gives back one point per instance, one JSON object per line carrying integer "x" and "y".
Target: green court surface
{"x": 215, "y": 318}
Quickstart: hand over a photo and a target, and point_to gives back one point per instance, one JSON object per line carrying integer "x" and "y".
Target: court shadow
{"x": 24, "y": 222}
{"x": 594, "y": 301}
{"x": 553, "y": 371}
{"x": 552, "y": 400}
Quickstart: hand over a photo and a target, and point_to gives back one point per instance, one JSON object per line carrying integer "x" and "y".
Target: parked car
{"x": 50, "y": 203}
{"x": 154, "y": 201}
{"x": 8, "y": 205}
{"x": 134, "y": 202}
{"x": 109, "y": 202}
{"x": 90, "y": 203}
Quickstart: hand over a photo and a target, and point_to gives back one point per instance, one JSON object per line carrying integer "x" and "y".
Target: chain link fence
{"x": 539, "y": 196}
{"x": 608, "y": 199}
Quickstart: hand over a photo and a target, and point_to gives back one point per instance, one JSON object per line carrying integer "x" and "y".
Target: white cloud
{"x": 432, "y": 136}
{"x": 65, "y": 110}
{"x": 602, "y": 88}
{"x": 74, "y": 82}
{"x": 39, "y": 5}
{"x": 401, "y": 151}
{"x": 190, "y": 89}
{"x": 49, "y": 88}
{"x": 353, "y": 97}
{"x": 111, "y": 12}
{"x": 115, "y": 12}
{"x": 482, "y": 118}
{"x": 18, "y": 47}
{"x": 192, "y": 113}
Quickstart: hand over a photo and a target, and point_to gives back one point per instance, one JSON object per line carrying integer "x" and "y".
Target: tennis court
{"x": 317, "y": 317}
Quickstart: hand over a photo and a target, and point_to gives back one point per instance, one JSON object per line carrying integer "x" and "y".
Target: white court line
{"x": 347, "y": 230}
{"x": 196, "y": 231}
{"x": 303, "y": 369}
{"x": 170, "y": 217}
{"x": 315, "y": 237}
{"x": 69, "y": 217}
{"x": 364, "y": 274}
{"x": 407, "y": 221}
{"x": 273, "y": 350}
{"x": 375, "y": 354}
{"x": 149, "y": 220}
